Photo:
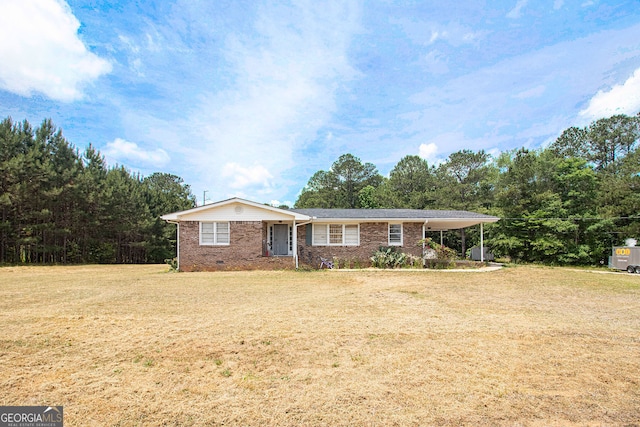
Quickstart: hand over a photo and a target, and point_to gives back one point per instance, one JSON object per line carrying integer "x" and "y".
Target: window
{"x": 214, "y": 233}
{"x": 290, "y": 239}
{"x": 336, "y": 235}
{"x": 351, "y": 235}
{"x": 319, "y": 234}
{"x": 395, "y": 234}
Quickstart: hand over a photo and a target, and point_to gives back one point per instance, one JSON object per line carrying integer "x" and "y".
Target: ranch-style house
{"x": 238, "y": 234}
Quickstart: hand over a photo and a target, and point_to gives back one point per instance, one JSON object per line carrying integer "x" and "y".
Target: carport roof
{"x": 433, "y": 219}
{"x": 387, "y": 214}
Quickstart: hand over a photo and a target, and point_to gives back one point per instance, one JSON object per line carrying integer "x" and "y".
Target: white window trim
{"x": 313, "y": 234}
{"x": 327, "y": 226}
{"x": 401, "y": 234}
{"x": 344, "y": 235}
{"x": 215, "y": 233}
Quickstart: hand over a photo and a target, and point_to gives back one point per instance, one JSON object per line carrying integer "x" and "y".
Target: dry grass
{"x": 134, "y": 345}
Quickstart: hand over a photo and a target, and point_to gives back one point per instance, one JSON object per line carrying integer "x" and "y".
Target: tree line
{"x": 567, "y": 203}
{"x": 58, "y": 205}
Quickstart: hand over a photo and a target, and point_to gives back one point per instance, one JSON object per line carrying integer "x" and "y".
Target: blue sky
{"x": 251, "y": 98}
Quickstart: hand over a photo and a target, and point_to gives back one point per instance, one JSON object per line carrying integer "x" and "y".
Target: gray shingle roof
{"x": 382, "y": 214}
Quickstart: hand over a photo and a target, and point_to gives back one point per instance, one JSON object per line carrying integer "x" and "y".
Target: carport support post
{"x": 481, "y": 243}
{"x": 294, "y": 236}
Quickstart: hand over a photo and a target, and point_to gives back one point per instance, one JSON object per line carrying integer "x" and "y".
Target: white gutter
{"x": 481, "y": 243}
{"x": 294, "y": 236}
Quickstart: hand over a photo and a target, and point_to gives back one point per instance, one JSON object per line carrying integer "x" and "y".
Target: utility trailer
{"x": 625, "y": 258}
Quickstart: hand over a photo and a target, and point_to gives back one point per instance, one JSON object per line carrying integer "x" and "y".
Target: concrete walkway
{"x": 491, "y": 267}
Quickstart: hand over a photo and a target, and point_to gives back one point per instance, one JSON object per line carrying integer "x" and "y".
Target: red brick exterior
{"x": 245, "y": 251}
{"x": 373, "y": 235}
{"x": 246, "y": 248}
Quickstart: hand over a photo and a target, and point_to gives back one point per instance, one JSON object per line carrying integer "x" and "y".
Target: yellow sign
{"x": 623, "y": 251}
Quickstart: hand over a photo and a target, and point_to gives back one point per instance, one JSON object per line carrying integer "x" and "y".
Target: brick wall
{"x": 412, "y": 235}
{"x": 372, "y": 236}
{"x": 245, "y": 251}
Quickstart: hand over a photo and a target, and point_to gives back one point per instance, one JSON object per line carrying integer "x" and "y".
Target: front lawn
{"x": 135, "y": 345}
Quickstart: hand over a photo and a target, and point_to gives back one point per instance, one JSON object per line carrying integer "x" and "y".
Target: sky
{"x": 251, "y": 98}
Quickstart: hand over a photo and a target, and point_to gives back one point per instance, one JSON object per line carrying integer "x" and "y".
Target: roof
{"x": 386, "y": 214}
{"x": 194, "y": 213}
{"x": 433, "y": 219}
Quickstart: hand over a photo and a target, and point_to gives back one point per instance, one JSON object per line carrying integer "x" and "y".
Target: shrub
{"x": 444, "y": 256}
{"x": 413, "y": 261}
{"x": 438, "y": 264}
{"x": 172, "y": 263}
{"x": 389, "y": 257}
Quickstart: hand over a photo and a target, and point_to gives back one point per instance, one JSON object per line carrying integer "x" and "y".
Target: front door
{"x": 280, "y": 239}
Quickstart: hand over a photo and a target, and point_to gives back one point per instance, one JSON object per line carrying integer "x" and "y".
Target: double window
{"x": 336, "y": 235}
{"x": 214, "y": 233}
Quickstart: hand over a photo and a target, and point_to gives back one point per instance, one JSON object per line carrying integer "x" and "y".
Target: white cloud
{"x": 494, "y": 152}
{"x": 278, "y": 203}
{"x": 428, "y": 152}
{"x": 435, "y": 62}
{"x": 557, "y": 4}
{"x": 516, "y": 12}
{"x": 435, "y": 35}
{"x": 438, "y": 147}
{"x": 427, "y": 33}
{"x": 41, "y": 51}
{"x": 473, "y": 101}
{"x": 240, "y": 177}
{"x": 262, "y": 91}
{"x": 620, "y": 99}
{"x": 534, "y": 92}
{"x": 121, "y": 150}
{"x": 285, "y": 79}
{"x": 129, "y": 44}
